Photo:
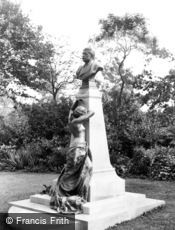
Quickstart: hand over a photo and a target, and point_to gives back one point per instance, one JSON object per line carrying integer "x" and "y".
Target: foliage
{"x": 138, "y": 142}
{"x": 9, "y": 159}
{"x": 157, "y": 163}
{"x": 132, "y": 25}
{"x": 141, "y": 161}
{"x": 122, "y": 39}
{"x": 5, "y": 132}
{"x": 37, "y": 137}
{"x": 48, "y": 119}
{"x": 163, "y": 167}
{"x": 157, "y": 93}
{"x": 31, "y": 122}
{"x": 29, "y": 60}
{"x": 120, "y": 123}
{"x": 22, "y": 47}
{"x": 36, "y": 156}
{"x": 121, "y": 163}
{"x": 58, "y": 71}
{"x": 16, "y": 127}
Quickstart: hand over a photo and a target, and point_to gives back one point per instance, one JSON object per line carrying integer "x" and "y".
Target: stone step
{"x": 32, "y": 206}
{"x": 146, "y": 205}
{"x": 104, "y": 219}
{"x": 93, "y": 207}
{"x": 40, "y": 199}
{"x": 112, "y": 204}
{"x": 102, "y": 214}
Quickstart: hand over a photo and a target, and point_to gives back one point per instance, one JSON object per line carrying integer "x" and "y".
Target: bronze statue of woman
{"x": 71, "y": 190}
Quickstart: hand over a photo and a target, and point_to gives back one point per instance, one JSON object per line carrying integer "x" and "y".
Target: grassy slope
{"x": 15, "y": 186}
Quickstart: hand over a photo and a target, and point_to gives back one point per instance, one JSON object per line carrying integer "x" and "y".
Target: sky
{"x": 78, "y": 19}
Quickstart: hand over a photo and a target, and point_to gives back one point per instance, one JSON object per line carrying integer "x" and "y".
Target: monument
{"x": 108, "y": 202}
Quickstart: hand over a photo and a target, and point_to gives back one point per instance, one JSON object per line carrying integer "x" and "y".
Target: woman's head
{"x": 79, "y": 111}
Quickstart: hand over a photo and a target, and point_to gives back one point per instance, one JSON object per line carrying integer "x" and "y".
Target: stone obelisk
{"x": 104, "y": 183}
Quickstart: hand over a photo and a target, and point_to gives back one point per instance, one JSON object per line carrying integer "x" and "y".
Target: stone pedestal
{"x": 104, "y": 183}
{"x": 98, "y": 215}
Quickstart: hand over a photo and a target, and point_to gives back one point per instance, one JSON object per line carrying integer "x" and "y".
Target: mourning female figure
{"x": 71, "y": 190}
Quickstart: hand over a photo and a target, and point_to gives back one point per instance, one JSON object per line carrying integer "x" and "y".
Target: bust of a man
{"x": 88, "y": 71}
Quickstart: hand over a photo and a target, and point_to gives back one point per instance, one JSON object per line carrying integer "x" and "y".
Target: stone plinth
{"x": 104, "y": 183}
{"x": 98, "y": 215}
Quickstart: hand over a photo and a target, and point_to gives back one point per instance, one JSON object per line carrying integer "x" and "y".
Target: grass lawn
{"x": 159, "y": 219}
{"x": 18, "y": 185}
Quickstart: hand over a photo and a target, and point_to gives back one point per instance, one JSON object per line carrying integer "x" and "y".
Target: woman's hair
{"x": 79, "y": 111}
{"x": 77, "y": 103}
{"x": 90, "y": 51}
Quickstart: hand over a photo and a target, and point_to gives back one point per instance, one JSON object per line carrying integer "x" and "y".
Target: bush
{"x": 35, "y": 138}
{"x": 163, "y": 167}
{"x": 157, "y": 163}
{"x": 7, "y": 156}
{"x": 48, "y": 119}
{"x": 39, "y": 156}
{"x": 121, "y": 164}
{"x": 31, "y": 122}
{"x": 141, "y": 161}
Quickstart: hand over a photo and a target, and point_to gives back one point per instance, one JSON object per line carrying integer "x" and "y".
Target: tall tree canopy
{"x": 57, "y": 72}
{"x": 22, "y": 47}
{"x": 28, "y": 58}
{"x": 121, "y": 40}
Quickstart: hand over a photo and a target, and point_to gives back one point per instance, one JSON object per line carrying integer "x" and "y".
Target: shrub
{"x": 37, "y": 156}
{"x": 10, "y": 159}
{"x": 48, "y": 119}
{"x": 141, "y": 161}
{"x": 121, "y": 164}
{"x": 34, "y": 138}
{"x": 163, "y": 167}
{"x": 157, "y": 163}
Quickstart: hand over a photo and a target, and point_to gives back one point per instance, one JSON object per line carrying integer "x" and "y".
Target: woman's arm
{"x": 83, "y": 117}
{"x": 76, "y": 103}
{"x": 70, "y": 114}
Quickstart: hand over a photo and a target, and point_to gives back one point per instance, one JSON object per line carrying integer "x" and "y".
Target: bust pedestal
{"x": 104, "y": 183}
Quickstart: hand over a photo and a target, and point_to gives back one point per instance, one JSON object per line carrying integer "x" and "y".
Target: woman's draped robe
{"x": 71, "y": 190}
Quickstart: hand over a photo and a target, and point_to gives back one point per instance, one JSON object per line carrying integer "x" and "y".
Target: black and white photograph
{"x": 87, "y": 115}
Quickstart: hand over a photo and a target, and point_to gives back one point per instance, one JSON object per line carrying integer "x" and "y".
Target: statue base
{"x": 106, "y": 184}
{"x": 97, "y": 215}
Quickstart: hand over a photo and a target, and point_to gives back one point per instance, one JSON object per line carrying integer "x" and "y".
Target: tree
{"x": 23, "y": 49}
{"x": 159, "y": 93}
{"x": 30, "y": 59}
{"x": 121, "y": 40}
{"x": 58, "y": 71}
